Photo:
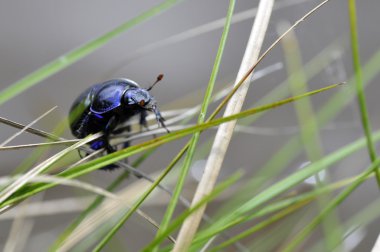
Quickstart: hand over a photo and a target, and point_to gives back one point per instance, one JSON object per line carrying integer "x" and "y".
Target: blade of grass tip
{"x": 303, "y": 234}
{"x": 224, "y": 132}
{"x": 26, "y": 127}
{"x": 202, "y": 115}
{"x": 250, "y": 70}
{"x": 77, "y": 54}
{"x": 359, "y": 84}
{"x": 311, "y": 69}
{"x": 97, "y": 202}
{"x": 309, "y": 126}
{"x": 124, "y": 153}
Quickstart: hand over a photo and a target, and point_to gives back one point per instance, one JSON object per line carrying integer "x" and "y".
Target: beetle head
{"x": 140, "y": 97}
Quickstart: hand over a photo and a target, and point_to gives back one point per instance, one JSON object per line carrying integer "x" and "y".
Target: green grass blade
{"x": 359, "y": 84}
{"x": 311, "y": 69}
{"x": 194, "y": 141}
{"x": 308, "y": 124}
{"x": 77, "y": 54}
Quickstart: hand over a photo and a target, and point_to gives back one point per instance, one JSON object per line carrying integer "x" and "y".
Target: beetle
{"x": 103, "y": 107}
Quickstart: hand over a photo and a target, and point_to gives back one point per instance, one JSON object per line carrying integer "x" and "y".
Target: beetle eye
{"x": 142, "y": 103}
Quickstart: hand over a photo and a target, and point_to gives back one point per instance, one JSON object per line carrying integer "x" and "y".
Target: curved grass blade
{"x": 360, "y": 86}
{"x": 310, "y": 132}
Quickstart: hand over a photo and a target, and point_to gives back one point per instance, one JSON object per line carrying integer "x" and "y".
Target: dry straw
{"x": 225, "y": 131}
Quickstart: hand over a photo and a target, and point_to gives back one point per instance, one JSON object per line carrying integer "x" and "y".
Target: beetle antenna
{"x": 159, "y": 78}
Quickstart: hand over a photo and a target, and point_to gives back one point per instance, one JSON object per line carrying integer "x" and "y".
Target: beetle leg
{"x": 160, "y": 120}
{"x": 127, "y": 143}
{"x": 143, "y": 123}
{"x": 80, "y": 155}
{"x": 80, "y": 131}
{"x": 111, "y": 125}
{"x": 109, "y": 148}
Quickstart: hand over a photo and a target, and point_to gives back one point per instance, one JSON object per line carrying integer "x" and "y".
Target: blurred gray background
{"x": 36, "y": 32}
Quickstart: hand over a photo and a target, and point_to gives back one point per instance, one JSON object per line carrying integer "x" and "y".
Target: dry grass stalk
{"x": 225, "y": 131}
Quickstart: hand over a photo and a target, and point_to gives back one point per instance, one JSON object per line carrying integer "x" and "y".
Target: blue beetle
{"x": 102, "y": 107}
